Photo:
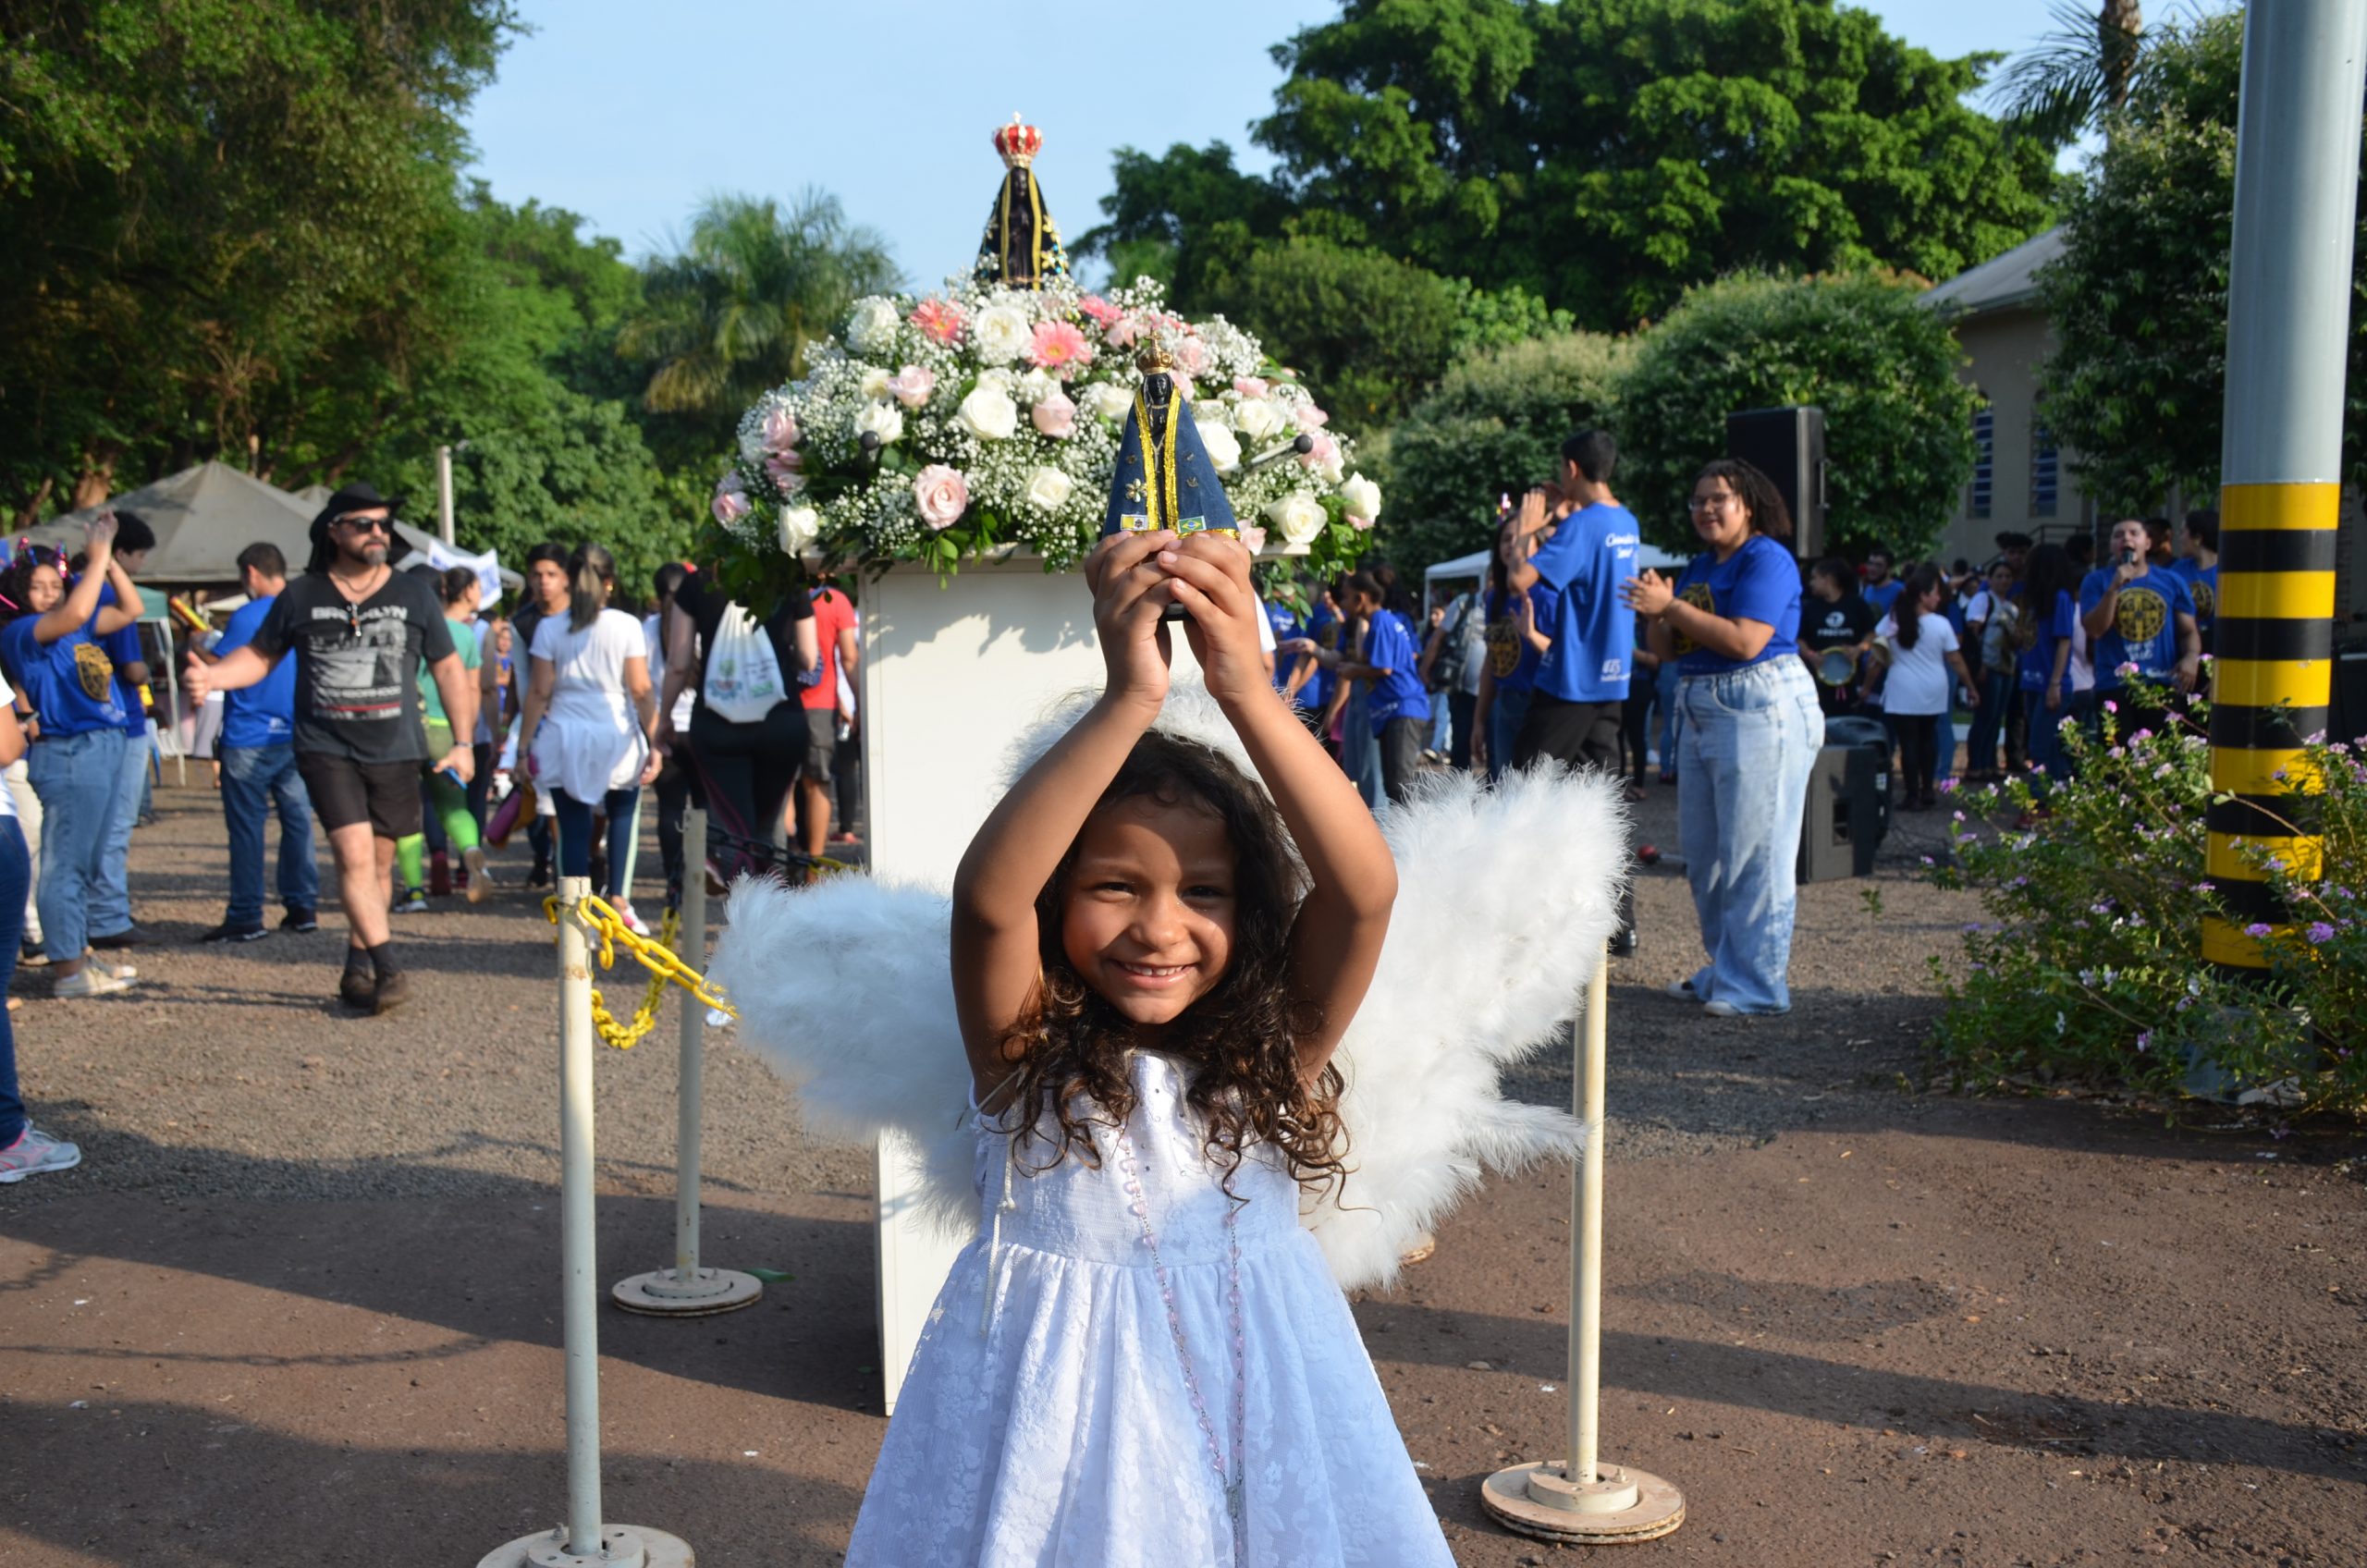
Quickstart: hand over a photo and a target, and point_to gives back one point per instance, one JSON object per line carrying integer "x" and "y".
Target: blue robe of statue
{"x": 1166, "y": 483}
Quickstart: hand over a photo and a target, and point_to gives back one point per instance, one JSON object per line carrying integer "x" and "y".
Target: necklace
{"x": 1229, "y": 1475}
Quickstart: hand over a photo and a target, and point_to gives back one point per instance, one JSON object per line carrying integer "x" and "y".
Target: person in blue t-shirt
{"x": 1880, "y": 589}
{"x": 111, "y": 923}
{"x": 2139, "y": 620}
{"x": 1283, "y": 622}
{"x": 1581, "y": 693}
{"x": 1399, "y": 707}
{"x": 1312, "y": 682}
{"x": 2043, "y": 633}
{"x": 1516, "y": 642}
{"x": 2198, "y": 562}
{"x": 1748, "y": 733}
{"x": 258, "y": 750}
{"x": 54, "y": 656}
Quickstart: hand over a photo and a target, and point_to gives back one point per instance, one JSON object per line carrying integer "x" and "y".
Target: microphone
{"x": 1298, "y": 448}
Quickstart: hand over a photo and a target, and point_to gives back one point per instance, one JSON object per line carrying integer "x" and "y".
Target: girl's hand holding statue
{"x": 1209, "y": 575}
{"x": 1130, "y": 592}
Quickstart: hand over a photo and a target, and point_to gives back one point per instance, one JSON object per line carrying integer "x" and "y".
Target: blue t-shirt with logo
{"x": 122, "y": 648}
{"x": 1323, "y": 626}
{"x": 2202, "y": 587}
{"x": 1761, "y": 582}
{"x": 2144, "y": 630}
{"x": 1389, "y": 645}
{"x": 2037, "y": 661}
{"x": 1285, "y": 624}
{"x": 264, "y": 713}
{"x": 70, "y": 682}
{"x": 1512, "y": 657}
{"x": 1594, "y": 626}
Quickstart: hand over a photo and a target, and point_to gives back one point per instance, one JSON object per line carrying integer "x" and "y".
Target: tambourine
{"x": 1837, "y": 666}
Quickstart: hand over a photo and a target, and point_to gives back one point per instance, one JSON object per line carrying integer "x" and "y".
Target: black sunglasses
{"x": 369, "y": 524}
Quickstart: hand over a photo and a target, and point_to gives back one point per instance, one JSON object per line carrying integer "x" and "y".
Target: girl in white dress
{"x": 1145, "y": 1360}
{"x": 590, "y": 716}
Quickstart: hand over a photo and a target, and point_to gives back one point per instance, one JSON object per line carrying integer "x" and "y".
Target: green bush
{"x": 1882, "y": 365}
{"x": 2090, "y": 966}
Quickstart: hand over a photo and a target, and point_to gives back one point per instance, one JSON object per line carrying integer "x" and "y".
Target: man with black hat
{"x": 359, "y": 629}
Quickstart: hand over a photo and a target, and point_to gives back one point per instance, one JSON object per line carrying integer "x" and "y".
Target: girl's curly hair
{"x": 1241, "y": 1039}
{"x": 17, "y": 578}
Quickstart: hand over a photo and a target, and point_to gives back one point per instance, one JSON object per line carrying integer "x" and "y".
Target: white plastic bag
{"x": 742, "y": 675}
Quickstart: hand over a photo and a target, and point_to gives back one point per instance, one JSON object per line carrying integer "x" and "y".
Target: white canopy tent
{"x": 1474, "y": 567}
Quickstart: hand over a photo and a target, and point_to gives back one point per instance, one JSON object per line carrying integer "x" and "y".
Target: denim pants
{"x": 256, "y": 780}
{"x": 111, "y": 905}
{"x": 15, "y": 872}
{"x": 2047, "y": 764}
{"x": 572, "y": 828}
{"x": 79, "y": 780}
{"x": 1749, "y": 739}
{"x": 1505, "y": 717}
{"x": 1997, "y": 689}
{"x": 1667, "y": 682}
{"x": 1359, "y": 748}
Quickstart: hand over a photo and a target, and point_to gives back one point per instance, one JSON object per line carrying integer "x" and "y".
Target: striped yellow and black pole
{"x": 2289, "y": 282}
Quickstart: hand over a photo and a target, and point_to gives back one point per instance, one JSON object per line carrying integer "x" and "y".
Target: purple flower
{"x": 2111, "y": 706}
{"x": 2145, "y": 1040}
{"x": 2126, "y": 668}
{"x": 2206, "y": 887}
{"x": 2256, "y": 929}
{"x": 2320, "y": 933}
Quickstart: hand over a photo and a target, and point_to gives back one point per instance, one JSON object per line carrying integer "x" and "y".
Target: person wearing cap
{"x": 359, "y": 629}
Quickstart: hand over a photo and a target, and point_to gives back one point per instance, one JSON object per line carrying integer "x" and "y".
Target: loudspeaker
{"x": 1788, "y": 445}
{"x": 1848, "y": 812}
{"x": 2347, "y": 712}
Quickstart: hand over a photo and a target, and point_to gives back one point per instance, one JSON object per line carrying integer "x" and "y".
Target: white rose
{"x": 1299, "y": 516}
{"x": 1256, "y": 418}
{"x": 1207, "y": 414}
{"x": 1225, "y": 450}
{"x": 871, "y": 326}
{"x": 1361, "y": 497}
{"x": 1049, "y": 489}
{"x": 1002, "y": 334}
{"x": 1000, "y": 380}
{"x": 800, "y": 526}
{"x": 1108, "y": 399}
{"x": 988, "y": 414}
{"x": 1327, "y": 466}
{"x": 875, "y": 383}
{"x": 881, "y": 419}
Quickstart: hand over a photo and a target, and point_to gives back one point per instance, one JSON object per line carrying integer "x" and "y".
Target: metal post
{"x": 2288, "y": 296}
{"x": 444, "y": 493}
{"x": 687, "y": 1290}
{"x": 1581, "y": 1499}
{"x": 582, "y": 1541}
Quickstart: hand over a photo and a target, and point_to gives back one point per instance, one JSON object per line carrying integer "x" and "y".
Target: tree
{"x": 732, "y": 315}
{"x": 1607, "y": 155}
{"x": 2078, "y": 76}
{"x": 2137, "y": 385}
{"x": 1898, "y": 420}
{"x": 1495, "y": 423}
{"x": 1364, "y": 332}
{"x": 1178, "y": 217}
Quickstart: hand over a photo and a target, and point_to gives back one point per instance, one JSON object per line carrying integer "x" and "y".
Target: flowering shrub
{"x": 996, "y": 416}
{"x": 2089, "y": 966}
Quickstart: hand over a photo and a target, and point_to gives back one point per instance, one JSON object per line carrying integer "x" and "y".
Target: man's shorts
{"x": 346, "y": 794}
{"x": 821, "y": 744}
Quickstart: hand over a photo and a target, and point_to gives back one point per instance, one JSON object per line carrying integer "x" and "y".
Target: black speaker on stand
{"x": 1788, "y": 445}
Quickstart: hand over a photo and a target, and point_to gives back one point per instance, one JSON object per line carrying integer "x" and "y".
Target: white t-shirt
{"x": 590, "y": 741}
{"x": 1919, "y": 678}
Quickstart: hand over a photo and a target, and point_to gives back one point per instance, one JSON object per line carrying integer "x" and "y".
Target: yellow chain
{"x": 601, "y": 921}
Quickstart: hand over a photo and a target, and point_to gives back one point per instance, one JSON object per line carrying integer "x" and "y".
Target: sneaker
{"x": 475, "y": 876}
{"x": 1682, "y": 991}
{"x": 414, "y": 902}
{"x": 90, "y": 980}
{"x": 1722, "y": 1010}
{"x": 226, "y": 931}
{"x": 540, "y": 877}
{"x": 32, "y": 955}
{"x": 1624, "y": 944}
{"x": 1649, "y": 853}
{"x": 34, "y": 1152}
{"x": 357, "y": 988}
{"x": 390, "y": 992}
{"x": 634, "y": 922}
{"x": 129, "y": 937}
{"x": 299, "y": 920}
{"x": 109, "y": 967}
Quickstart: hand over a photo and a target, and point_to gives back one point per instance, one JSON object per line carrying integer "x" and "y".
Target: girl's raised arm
{"x": 1336, "y": 944}
{"x": 996, "y": 961}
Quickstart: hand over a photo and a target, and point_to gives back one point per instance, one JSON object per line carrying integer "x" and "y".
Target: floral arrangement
{"x": 980, "y": 416}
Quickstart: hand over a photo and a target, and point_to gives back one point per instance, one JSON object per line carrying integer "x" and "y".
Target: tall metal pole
{"x": 2288, "y": 297}
{"x": 444, "y": 494}
{"x": 1586, "y": 1228}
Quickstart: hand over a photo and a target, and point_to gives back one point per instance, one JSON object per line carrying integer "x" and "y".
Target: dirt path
{"x": 299, "y": 1304}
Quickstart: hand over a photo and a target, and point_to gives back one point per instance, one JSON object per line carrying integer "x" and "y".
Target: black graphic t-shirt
{"x": 357, "y": 664}
{"x": 1843, "y": 623}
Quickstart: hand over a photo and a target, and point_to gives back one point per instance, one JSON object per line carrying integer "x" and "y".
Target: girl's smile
{"x": 1147, "y": 919}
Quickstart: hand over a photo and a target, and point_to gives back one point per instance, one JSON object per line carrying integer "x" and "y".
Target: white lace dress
{"x": 1049, "y": 1419}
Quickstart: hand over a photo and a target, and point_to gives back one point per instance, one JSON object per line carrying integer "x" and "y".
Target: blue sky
{"x": 629, "y": 114}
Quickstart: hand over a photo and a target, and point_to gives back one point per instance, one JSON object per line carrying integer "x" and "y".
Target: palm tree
{"x": 732, "y": 315}
{"x": 2078, "y": 76}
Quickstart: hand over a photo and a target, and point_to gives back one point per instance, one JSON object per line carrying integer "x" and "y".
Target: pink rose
{"x": 1325, "y": 453}
{"x": 1100, "y": 309}
{"x": 912, "y": 385}
{"x": 780, "y": 431}
{"x": 1309, "y": 417}
{"x": 1250, "y": 385}
{"x": 1191, "y": 356}
{"x": 1253, "y": 536}
{"x": 1123, "y": 331}
{"x": 731, "y": 499}
{"x": 942, "y": 494}
{"x": 1058, "y": 345}
{"x": 784, "y": 470}
{"x": 1053, "y": 415}
{"x": 939, "y": 320}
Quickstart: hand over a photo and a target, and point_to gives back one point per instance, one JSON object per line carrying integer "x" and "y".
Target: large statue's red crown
{"x": 1018, "y": 143}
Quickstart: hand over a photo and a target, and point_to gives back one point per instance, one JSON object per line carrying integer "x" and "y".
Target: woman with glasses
{"x": 1749, "y": 733}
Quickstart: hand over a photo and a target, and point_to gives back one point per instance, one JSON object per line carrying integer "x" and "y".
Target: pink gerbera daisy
{"x": 1059, "y": 346}
{"x": 941, "y": 319}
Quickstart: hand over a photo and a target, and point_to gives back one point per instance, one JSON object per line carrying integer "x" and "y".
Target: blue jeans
{"x": 16, "y": 871}
{"x": 2047, "y": 761}
{"x": 1997, "y": 689}
{"x": 1505, "y": 717}
{"x": 79, "y": 780}
{"x": 1667, "y": 682}
{"x": 255, "y": 780}
{"x": 573, "y": 828}
{"x": 1359, "y": 749}
{"x": 111, "y": 905}
{"x": 1749, "y": 741}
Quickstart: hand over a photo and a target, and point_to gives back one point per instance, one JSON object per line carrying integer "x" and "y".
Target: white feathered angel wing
{"x": 1505, "y": 899}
